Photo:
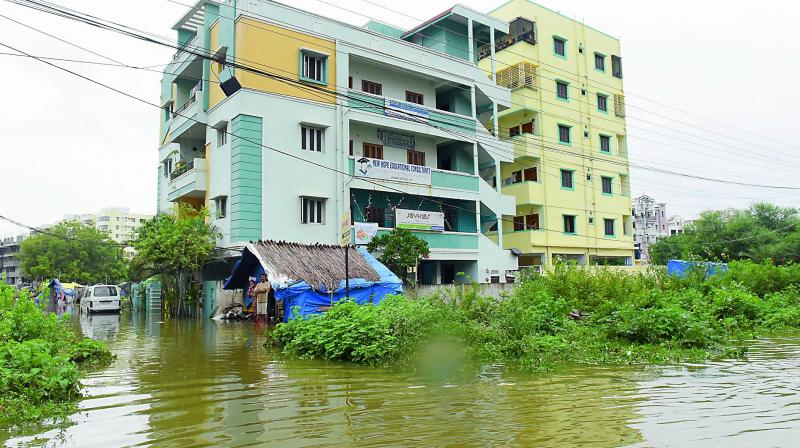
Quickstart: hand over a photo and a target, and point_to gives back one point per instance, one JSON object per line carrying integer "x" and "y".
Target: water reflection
{"x": 201, "y": 383}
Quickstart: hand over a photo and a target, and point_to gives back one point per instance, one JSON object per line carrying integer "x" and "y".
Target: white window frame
{"x": 222, "y": 135}
{"x": 312, "y": 138}
{"x": 312, "y": 210}
{"x": 221, "y": 207}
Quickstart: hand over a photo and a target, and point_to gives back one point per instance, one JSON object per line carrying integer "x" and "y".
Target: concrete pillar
{"x": 496, "y": 120}
{"x": 474, "y": 103}
{"x": 491, "y": 43}
{"x": 470, "y": 41}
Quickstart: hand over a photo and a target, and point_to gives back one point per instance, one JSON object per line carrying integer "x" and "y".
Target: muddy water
{"x": 198, "y": 383}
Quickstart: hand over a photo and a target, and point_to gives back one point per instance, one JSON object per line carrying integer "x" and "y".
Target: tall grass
{"x": 573, "y": 315}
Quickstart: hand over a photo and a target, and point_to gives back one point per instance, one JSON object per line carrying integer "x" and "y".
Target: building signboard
{"x": 365, "y": 232}
{"x": 395, "y": 171}
{"x": 397, "y": 139}
{"x": 405, "y": 110}
{"x": 347, "y": 238}
{"x": 419, "y": 220}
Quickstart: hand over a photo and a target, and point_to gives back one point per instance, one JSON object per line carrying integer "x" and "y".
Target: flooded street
{"x": 200, "y": 383}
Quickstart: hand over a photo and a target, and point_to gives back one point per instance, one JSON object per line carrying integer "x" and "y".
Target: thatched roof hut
{"x": 316, "y": 264}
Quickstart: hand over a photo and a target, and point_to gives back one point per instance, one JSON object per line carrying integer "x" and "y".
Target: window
{"x": 616, "y": 66}
{"x": 167, "y": 164}
{"x": 608, "y": 227}
{"x": 313, "y": 211}
{"x": 532, "y": 221}
{"x": 349, "y": 82}
{"x": 563, "y": 133}
{"x": 569, "y": 224}
{"x": 221, "y": 206}
{"x": 314, "y": 67}
{"x": 377, "y": 215}
{"x": 371, "y": 87}
{"x": 416, "y": 157}
{"x": 602, "y": 103}
{"x": 513, "y": 132}
{"x": 222, "y": 135}
{"x": 566, "y": 179}
{"x": 560, "y": 46}
{"x": 519, "y": 223}
{"x": 351, "y": 148}
{"x": 311, "y": 138}
{"x": 528, "y": 128}
{"x": 600, "y": 62}
{"x": 562, "y": 90}
{"x": 607, "y": 185}
{"x": 516, "y": 177}
{"x": 413, "y": 97}
{"x": 372, "y": 151}
{"x": 605, "y": 143}
{"x": 530, "y": 174}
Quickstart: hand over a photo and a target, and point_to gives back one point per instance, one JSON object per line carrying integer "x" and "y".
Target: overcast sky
{"x": 71, "y": 147}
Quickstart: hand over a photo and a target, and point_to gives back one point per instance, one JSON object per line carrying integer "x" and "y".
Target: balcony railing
{"x": 405, "y": 110}
{"x": 185, "y": 105}
{"x": 484, "y": 51}
{"x": 182, "y": 170}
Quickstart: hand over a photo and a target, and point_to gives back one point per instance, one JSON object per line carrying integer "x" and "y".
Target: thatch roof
{"x": 315, "y": 264}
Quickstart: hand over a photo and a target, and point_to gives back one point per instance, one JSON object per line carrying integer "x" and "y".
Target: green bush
{"x": 40, "y": 356}
{"x": 571, "y": 314}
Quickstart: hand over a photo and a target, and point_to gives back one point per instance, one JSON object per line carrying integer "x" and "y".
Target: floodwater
{"x": 201, "y": 383}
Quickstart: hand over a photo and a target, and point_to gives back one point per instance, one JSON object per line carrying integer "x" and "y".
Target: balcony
{"x": 520, "y": 30}
{"x": 412, "y": 112}
{"x": 188, "y": 181}
{"x": 450, "y": 180}
{"x": 526, "y": 192}
{"x": 525, "y": 239}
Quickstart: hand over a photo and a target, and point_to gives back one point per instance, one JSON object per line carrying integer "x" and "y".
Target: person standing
{"x": 262, "y": 294}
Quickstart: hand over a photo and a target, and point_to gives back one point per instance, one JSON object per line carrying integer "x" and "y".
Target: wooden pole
{"x": 347, "y": 271}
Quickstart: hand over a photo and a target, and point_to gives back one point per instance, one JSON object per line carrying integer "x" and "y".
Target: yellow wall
{"x": 583, "y": 154}
{"x": 215, "y": 94}
{"x": 277, "y": 50}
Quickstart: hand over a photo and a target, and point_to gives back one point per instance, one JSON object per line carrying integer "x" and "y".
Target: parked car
{"x": 99, "y": 298}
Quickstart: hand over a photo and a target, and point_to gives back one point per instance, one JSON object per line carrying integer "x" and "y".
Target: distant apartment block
{"x": 9, "y": 263}
{"x": 650, "y": 224}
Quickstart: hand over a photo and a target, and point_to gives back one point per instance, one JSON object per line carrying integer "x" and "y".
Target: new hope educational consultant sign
{"x": 419, "y": 220}
{"x": 396, "y": 171}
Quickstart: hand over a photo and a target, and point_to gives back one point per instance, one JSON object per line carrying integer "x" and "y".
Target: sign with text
{"x": 347, "y": 237}
{"x": 419, "y": 220}
{"x": 397, "y": 139}
{"x": 405, "y": 110}
{"x": 396, "y": 171}
{"x": 365, "y": 232}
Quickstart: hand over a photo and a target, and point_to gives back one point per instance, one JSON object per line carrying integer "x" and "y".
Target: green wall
{"x": 246, "y": 178}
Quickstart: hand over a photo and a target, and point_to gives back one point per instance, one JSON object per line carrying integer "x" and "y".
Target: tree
{"x": 72, "y": 251}
{"x": 762, "y": 232}
{"x": 399, "y": 250}
{"x": 175, "y": 246}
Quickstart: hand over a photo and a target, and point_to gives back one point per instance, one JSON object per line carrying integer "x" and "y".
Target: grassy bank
{"x": 572, "y": 315}
{"x": 40, "y": 362}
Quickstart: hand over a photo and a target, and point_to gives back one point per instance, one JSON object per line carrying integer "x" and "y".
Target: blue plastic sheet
{"x": 300, "y": 299}
{"x": 680, "y": 268}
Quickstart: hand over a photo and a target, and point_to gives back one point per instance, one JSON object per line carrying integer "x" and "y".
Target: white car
{"x": 100, "y": 298}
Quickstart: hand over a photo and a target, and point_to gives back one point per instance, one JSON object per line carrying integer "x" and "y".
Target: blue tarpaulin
{"x": 57, "y": 288}
{"x": 300, "y": 299}
{"x": 680, "y": 268}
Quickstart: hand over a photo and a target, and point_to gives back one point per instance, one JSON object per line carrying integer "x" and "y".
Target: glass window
{"x": 607, "y": 184}
{"x": 311, "y": 138}
{"x": 222, "y": 135}
{"x": 413, "y": 97}
{"x": 104, "y": 291}
{"x": 616, "y": 66}
{"x": 313, "y": 211}
{"x": 221, "y": 206}
{"x": 569, "y": 223}
{"x": 372, "y": 151}
{"x": 314, "y": 67}
{"x": 371, "y": 87}
{"x": 608, "y": 227}
{"x": 566, "y": 179}
{"x": 602, "y": 102}
{"x": 563, "y": 133}
{"x": 605, "y": 143}
{"x": 559, "y": 46}
{"x": 416, "y": 157}
{"x": 600, "y": 62}
{"x": 562, "y": 90}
